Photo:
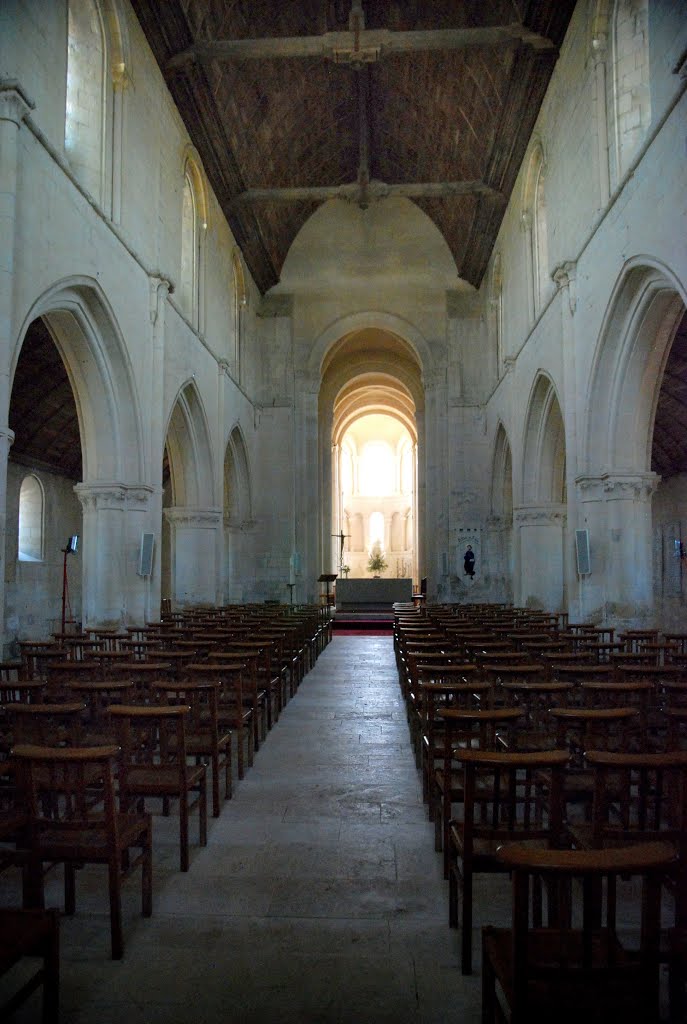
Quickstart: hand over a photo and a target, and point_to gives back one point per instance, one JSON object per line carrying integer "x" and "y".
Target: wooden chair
{"x": 32, "y": 933}
{"x": 579, "y": 968}
{"x": 153, "y": 763}
{"x": 204, "y": 738}
{"x": 507, "y": 797}
{"x": 73, "y": 820}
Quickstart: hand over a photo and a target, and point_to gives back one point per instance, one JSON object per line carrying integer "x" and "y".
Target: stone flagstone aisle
{"x": 319, "y": 897}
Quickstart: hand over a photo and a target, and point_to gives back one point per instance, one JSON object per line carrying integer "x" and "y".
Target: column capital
{"x": 530, "y": 515}
{"x": 15, "y": 104}
{"x": 192, "y": 516}
{"x": 617, "y": 486}
{"x": 113, "y": 495}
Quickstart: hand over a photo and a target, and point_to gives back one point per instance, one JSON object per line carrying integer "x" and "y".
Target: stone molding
{"x": 15, "y": 103}
{"x": 198, "y": 518}
{"x": 533, "y": 515}
{"x": 237, "y": 525}
{"x": 113, "y": 495}
{"x": 499, "y": 524}
{"x": 617, "y": 486}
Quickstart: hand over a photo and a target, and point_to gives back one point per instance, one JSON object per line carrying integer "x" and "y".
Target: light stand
{"x": 69, "y": 549}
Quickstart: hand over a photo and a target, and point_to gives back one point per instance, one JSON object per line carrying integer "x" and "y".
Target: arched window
{"x": 376, "y": 530}
{"x": 534, "y": 224}
{"x": 377, "y": 466}
{"x": 239, "y": 303}
{"x": 497, "y": 310}
{"x": 31, "y": 520}
{"x": 96, "y": 76}
{"x": 193, "y": 227}
{"x": 630, "y": 79}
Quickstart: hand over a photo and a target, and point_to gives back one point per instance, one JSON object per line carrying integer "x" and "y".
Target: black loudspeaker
{"x": 145, "y": 561}
{"x": 584, "y": 564}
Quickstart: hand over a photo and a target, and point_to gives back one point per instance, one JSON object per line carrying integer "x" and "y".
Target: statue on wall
{"x": 469, "y": 561}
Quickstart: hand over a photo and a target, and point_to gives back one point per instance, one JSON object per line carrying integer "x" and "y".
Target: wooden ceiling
{"x": 291, "y": 103}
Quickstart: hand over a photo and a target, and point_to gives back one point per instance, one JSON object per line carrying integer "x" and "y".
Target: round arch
{"x": 85, "y": 331}
{"x": 387, "y": 323}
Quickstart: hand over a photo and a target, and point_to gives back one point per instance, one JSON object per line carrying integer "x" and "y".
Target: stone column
{"x": 196, "y": 535}
{"x": 14, "y": 106}
{"x": 435, "y": 505}
{"x": 313, "y": 488}
{"x": 114, "y": 517}
{"x": 539, "y": 531}
{"x": 498, "y": 561}
{"x": 616, "y": 509}
{"x": 600, "y": 116}
{"x": 565, "y": 278}
{"x": 160, "y": 288}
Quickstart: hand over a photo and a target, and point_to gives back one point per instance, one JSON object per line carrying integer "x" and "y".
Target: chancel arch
{"x": 369, "y": 402}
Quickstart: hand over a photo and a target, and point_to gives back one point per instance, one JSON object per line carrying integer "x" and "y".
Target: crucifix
{"x": 342, "y": 537}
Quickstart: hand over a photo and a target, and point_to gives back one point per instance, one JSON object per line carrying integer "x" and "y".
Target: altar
{"x": 379, "y": 594}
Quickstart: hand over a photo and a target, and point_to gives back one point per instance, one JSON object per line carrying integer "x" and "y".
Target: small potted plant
{"x": 345, "y": 569}
{"x": 376, "y": 562}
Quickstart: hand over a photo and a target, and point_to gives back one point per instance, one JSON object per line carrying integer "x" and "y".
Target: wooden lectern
{"x": 328, "y": 577}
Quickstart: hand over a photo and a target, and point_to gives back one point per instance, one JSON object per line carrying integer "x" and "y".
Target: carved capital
{"x": 193, "y": 518}
{"x": 113, "y": 495}
{"x": 537, "y": 515}
{"x": 499, "y": 524}
{"x": 636, "y": 487}
{"x": 15, "y": 104}
{"x": 617, "y": 486}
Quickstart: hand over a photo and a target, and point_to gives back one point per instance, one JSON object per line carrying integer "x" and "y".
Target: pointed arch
{"x": 194, "y": 223}
{"x": 97, "y": 73}
{"x": 238, "y": 502}
{"x": 190, "y": 451}
{"x": 84, "y": 328}
{"x": 239, "y": 294}
{"x": 543, "y": 473}
{"x": 643, "y": 313}
{"x": 534, "y": 220}
{"x": 502, "y": 477}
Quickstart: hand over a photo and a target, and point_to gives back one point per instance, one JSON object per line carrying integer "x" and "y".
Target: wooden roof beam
{"x": 375, "y": 190}
{"x": 363, "y": 46}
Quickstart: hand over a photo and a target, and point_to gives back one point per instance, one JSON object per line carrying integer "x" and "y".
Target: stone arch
{"x": 373, "y": 319}
{"x": 543, "y": 471}
{"x": 502, "y": 476}
{"x": 194, "y": 223}
{"x": 190, "y": 450}
{"x": 634, "y": 342}
{"x": 534, "y": 219}
{"x": 238, "y": 501}
{"x": 85, "y": 331}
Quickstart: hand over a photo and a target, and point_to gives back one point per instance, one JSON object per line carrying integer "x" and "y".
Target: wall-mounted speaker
{"x": 145, "y": 560}
{"x": 584, "y": 564}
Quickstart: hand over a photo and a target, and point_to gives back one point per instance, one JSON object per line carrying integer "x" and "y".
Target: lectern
{"x": 327, "y": 577}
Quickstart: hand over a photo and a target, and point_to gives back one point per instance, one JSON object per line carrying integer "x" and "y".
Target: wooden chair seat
{"x": 70, "y": 824}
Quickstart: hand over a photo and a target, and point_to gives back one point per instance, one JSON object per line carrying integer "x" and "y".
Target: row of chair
{"x": 510, "y": 753}
{"x": 85, "y": 744}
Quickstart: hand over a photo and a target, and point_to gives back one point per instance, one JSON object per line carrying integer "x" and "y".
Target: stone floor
{"x": 318, "y": 898}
